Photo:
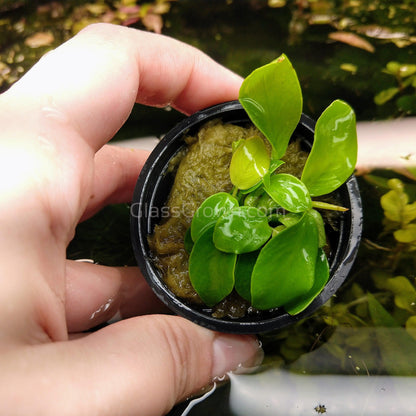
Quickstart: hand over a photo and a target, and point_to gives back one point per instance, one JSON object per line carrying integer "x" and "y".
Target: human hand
{"x": 56, "y": 169}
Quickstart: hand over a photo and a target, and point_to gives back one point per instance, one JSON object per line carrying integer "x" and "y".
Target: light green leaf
{"x": 404, "y": 292}
{"x": 386, "y": 95}
{"x": 209, "y": 211}
{"x": 285, "y": 268}
{"x": 406, "y": 70}
{"x": 249, "y": 163}
{"x": 211, "y": 271}
{"x": 407, "y": 234}
{"x": 272, "y": 98}
{"x": 289, "y": 192}
{"x": 334, "y": 152}
{"x": 241, "y": 230}
{"x": 394, "y": 201}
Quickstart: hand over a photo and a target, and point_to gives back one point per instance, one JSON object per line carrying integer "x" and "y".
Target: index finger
{"x": 95, "y": 78}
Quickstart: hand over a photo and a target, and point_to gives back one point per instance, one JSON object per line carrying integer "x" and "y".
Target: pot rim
{"x": 141, "y": 226}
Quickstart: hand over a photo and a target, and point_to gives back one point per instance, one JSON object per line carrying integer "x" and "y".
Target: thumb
{"x": 164, "y": 359}
{"x": 142, "y": 365}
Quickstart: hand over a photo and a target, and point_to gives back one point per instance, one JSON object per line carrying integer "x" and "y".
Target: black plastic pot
{"x": 152, "y": 190}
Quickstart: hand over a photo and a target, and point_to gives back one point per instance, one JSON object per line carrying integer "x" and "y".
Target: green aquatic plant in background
{"x": 274, "y": 256}
{"x": 404, "y": 93}
{"x": 369, "y": 327}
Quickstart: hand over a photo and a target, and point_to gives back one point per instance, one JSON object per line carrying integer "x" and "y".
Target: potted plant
{"x": 255, "y": 244}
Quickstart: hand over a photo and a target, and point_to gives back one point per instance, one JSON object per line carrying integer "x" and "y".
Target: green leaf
{"x": 290, "y": 219}
{"x": 267, "y": 204}
{"x": 289, "y": 192}
{"x": 404, "y": 293}
{"x": 285, "y": 268}
{"x": 241, "y": 230}
{"x": 187, "y": 241}
{"x": 334, "y": 152}
{"x": 211, "y": 271}
{"x": 249, "y": 163}
{"x": 320, "y": 226}
{"x": 397, "y": 347}
{"x": 386, "y": 95}
{"x": 272, "y": 98}
{"x": 379, "y": 315}
{"x": 393, "y": 68}
{"x": 406, "y": 70}
{"x": 209, "y": 212}
{"x": 243, "y": 271}
{"x": 321, "y": 278}
{"x": 394, "y": 201}
{"x": 251, "y": 189}
{"x": 407, "y": 103}
{"x": 407, "y": 234}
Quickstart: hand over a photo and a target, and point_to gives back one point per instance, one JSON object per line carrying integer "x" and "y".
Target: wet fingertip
{"x": 241, "y": 353}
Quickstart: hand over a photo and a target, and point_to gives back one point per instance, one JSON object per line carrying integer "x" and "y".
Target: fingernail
{"x": 233, "y": 352}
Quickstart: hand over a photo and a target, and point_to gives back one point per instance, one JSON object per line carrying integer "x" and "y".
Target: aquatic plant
{"x": 266, "y": 239}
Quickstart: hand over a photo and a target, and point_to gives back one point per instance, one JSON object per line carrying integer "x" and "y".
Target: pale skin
{"x": 56, "y": 169}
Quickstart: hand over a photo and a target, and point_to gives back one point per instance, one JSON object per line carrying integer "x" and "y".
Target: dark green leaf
{"x": 241, "y": 230}
{"x": 209, "y": 212}
{"x": 334, "y": 152}
{"x": 379, "y": 315}
{"x": 289, "y": 192}
{"x": 266, "y": 204}
{"x": 188, "y": 242}
{"x": 320, "y": 226}
{"x": 211, "y": 271}
{"x": 249, "y": 163}
{"x": 407, "y": 103}
{"x": 243, "y": 271}
{"x": 397, "y": 347}
{"x": 285, "y": 268}
{"x": 272, "y": 97}
{"x": 321, "y": 278}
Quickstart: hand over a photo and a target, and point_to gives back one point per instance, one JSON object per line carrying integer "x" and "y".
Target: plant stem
{"x": 325, "y": 205}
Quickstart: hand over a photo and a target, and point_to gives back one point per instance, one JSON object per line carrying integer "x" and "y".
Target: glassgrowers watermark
{"x": 138, "y": 210}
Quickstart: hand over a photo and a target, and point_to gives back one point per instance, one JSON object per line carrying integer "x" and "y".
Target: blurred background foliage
{"x": 357, "y": 50}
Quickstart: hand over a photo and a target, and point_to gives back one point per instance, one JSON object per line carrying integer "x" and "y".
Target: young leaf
{"x": 211, "y": 271}
{"x": 289, "y": 192}
{"x": 272, "y": 98}
{"x": 334, "y": 151}
{"x": 321, "y": 277}
{"x": 241, "y": 230}
{"x": 243, "y": 271}
{"x": 249, "y": 163}
{"x": 209, "y": 211}
{"x": 285, "y": 268}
